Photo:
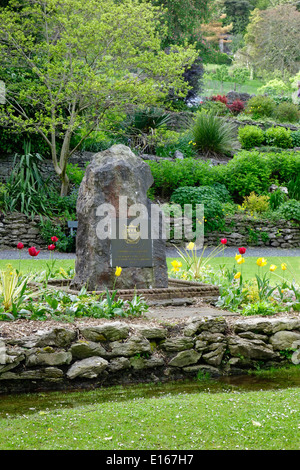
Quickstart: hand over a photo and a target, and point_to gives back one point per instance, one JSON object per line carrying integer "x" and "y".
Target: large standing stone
{"x": 112, "y": 174}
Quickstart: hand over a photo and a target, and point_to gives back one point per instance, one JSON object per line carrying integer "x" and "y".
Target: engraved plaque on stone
{"x": 132, "y": 246}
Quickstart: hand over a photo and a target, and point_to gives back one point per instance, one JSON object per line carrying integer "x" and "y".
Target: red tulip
{"x": 20, "y": 246}
{"x": 33, "y": 251}
{"x": 51, "y": 247}
{"x": 224, "y": 241}
{"x": 54, "y": 239}
{"x": 242, "y": 250}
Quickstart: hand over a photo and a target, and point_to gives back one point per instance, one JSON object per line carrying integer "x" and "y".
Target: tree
{"x": 237, "y": 14}
{"x": 183, "y": 19}
{"x": 67, "y": 62}
{"x": 272, "y": 39}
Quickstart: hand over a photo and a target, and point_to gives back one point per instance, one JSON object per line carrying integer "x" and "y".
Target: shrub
{"x": 213, "y": 213}
{"x": 2, "y": 195}
{"x": 277, "y": 198}
{"x": 169, "y": 175}
{"x": 212, "y": 134}
{"x": 293, "y": 187}
{"x": 255, "y": 203}
{"x": 295, "y": 139}
{"x": 289, "y": 210}
{"x": 222, "y": 99}
{"x": 215, "y": 107}
{"x": 236, "y": 107}
{"x": 167, "y": 142}
{"x": 75, "y": 174}
{"x": 278, "y": 137}
{"x": 287, "y": 112}
{"x": 250, "y": 136}
{"x": 261, "y": 106}
{"x": 66, "y": 242}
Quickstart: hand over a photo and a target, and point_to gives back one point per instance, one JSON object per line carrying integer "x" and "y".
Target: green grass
{"x": 250, "y": 268}
{"x": 213, "y": 87}
{"x": 262, "y": 420}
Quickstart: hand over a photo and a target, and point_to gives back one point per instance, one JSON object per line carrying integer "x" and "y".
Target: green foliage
{"x": 215, "y": 107}
{"x": 212, "y": 134}
{"x": 295, "y": 138}
{"x": 277, "y": 198}
{"x": 25, "y": 188}
{"x": 71, "y": 67}
{"x": 289, "y": 210}
{"x": 207, "y": 196}
{"x": 2, "y": 195}
{"x": 75, "y": 174}
{"x": 261, "y": 106}
{"x": 250, "y": 136}
{"x": 278, "y": 137}
{"x": 255, "y": 203}
{"x": 262, "y": 307}
{"x": 275, "y": 87}
{"x": 169, "y": 175}
{"x": 293, "y": 187}
{"x": 287, "y": 112}
{"x": 50, "y": 228}
{"x": 167, "y": 142}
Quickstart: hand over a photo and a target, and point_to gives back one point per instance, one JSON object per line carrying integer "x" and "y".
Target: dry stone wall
{"x": 117, "y": 352}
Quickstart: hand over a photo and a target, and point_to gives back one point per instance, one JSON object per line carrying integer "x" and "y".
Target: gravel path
{"x": 171, "y": 252}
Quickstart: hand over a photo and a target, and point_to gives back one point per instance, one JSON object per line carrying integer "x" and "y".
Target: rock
{"x": 84, "y": 349}
{"x": 113, "y": 173}
{"x": 284, "y": 340}
{"x": 252, "y": 349}
{"x": 178, "y": 343}
{"x": 88, "y": 368}
{"x": 178, "y": 155}
{"x": 139, "y": 363}
{"x": 134, "y": 345}
{"x": 150, "y": 332}
{"x": 47, "y": 374}
{"x": 119, "y": 363}
{"x": 212, "y": 324}
{"x": 205, "y": 369}
{"x": 215, "y": 356}
{"x": 47, "y": 357}
{"x": 266, "y": 326}
{"x": 185, "y": 358}
{"x": 113, "y": 331}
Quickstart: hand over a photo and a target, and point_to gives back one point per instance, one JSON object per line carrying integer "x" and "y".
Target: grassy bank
{"x": 98, "y": 420}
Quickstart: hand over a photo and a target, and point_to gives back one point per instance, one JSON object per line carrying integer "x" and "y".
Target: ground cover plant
{"x": 191, "y": 417}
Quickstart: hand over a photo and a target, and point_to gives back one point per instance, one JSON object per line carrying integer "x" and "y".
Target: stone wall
{"x": 245, "y": 231}
{"x": 119, "y": 352}
{"x": 239, "y": 231}
{"x": 15, "y": 228}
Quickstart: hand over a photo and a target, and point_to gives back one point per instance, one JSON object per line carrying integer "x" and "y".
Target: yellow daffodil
{"x": 176, "y": 265}
{"x": 118, "y": 271}
{"x": 283, "y": 266}
{"x": 261, "y": 262}
{"x": 190, "y": 246}
{"x": 237, "y": 276}
{"x": 273, "y": 267}
{"x": 241, "y": 260}
{"x": 237, "y": 257}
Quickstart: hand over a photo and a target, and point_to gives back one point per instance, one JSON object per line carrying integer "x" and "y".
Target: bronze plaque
{"x": 132, "y": 246}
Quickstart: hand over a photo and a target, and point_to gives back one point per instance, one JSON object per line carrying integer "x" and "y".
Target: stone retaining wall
{"x": 239, "y": 231}
{"x": 117, "y": 352}
{"x": 249, "y": 231}
{"x": 15, "y": 228}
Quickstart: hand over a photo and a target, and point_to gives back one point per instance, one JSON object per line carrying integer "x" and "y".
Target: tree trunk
{"x": 64, "y": 185}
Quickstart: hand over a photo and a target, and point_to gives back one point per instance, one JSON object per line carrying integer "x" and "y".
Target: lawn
{"x": 249, "y": 267}
{"x": 127, "y": 418}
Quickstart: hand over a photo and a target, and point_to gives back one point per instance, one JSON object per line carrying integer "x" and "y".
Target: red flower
{"x": 224, "y": 241}
{"x": 54, "y": 239}
{"x": 20, "y": 246}
{"x": 242, "y": 250}
{"x": 51, "y": 247}
{"x": 33, "y": 251}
